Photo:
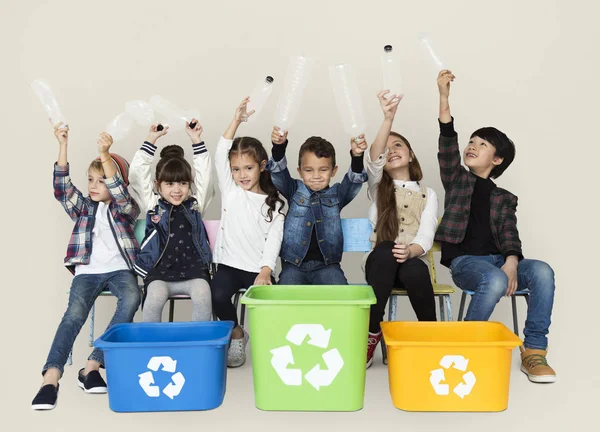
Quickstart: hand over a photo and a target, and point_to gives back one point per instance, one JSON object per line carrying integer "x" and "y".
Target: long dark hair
{"x": 387, "y": 210}
{"x": 254, "y": 148}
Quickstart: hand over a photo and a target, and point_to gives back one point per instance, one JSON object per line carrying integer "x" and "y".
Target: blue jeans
{"x": 484, "y": 276}
{"x": 85, "y": 288}
{"x": 312, "y": 273}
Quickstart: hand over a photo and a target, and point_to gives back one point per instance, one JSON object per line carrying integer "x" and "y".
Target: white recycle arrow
{"x": 437, "y": 376}
{"x": 319, "y": 337}
{"x": 460, "y": 362}
{"x": 322, "y": 378}
{"x": 168, "y": 364}
{"x": 463, "y": 389}
{"x": 146, "y": 381}
{"x": 281, "y": 358}
{"x": 173, "y": 390}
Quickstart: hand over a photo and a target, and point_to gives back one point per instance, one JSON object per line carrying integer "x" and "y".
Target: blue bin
{"x": 166, "y": 366}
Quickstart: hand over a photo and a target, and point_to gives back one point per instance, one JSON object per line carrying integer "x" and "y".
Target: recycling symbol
{"x": 317, "y": 377}
{"x": 437, "y": 376}
{"x": 168, "y": 365}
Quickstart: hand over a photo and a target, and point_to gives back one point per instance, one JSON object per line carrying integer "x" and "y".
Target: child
{"x": 101, "y": 254}
{"x": 249, "y": 240}
{"x": 404, "y": 218}
{"x": 175, "y": 255}
{"x": 313, "y": 241}
{"x": 480, "y": 241}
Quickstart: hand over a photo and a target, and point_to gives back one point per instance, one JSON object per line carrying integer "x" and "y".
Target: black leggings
{"x": 383, "y": 273}
{"x": 226, "y": 282}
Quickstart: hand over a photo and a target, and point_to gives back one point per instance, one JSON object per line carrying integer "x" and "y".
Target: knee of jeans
{"x": 543, "y": 272}
{"x": 77, "y": 311}
{"x": 497, "y": 283}
{"x": 131, "y": 299}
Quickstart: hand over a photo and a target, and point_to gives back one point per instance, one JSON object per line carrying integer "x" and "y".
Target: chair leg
{"x": 171, "y": 309}
{"x": 243, "y": 317}
{"x": 526, "y": 299}
{"x": 448, "y": 302}
{"x": 92, "y": 319}
{"x": 513, "y": 300}
{"x": 461, "y": 308}
{"x": 442, "y": 310}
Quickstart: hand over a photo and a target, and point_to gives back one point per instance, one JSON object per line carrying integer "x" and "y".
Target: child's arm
{"x": 510, "y": 243}
{"x": 140, "y": 173}
{"x": 268, "y": 261}
{"x": 356, "y": 175}
{"x": 224, "y": 176}
{"x": 117, "y": 189}
{"x": 277, "y": 165}
{"x": 376, "y": 157}
{"x": 449, "y": 153}
{"x": 203, "y": 178}
{"x": 69, "y": 196}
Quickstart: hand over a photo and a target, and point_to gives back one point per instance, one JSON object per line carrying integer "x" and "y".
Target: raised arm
{"x": 140, "y": 172}
{"x": 277, "y": 165}
{"x": 203, "y": 176}
{"x": 225, "y": 179}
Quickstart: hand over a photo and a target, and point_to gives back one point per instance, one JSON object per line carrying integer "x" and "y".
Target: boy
{"x": 313, "y": 242}
{"x": 101, "y": 254}
{"x": 479, "y": 237}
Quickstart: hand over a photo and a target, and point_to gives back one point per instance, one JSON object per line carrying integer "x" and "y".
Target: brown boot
{"x": 535, "y": 366}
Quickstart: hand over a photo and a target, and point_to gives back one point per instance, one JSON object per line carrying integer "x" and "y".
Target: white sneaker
{"x": 236, "y": 356}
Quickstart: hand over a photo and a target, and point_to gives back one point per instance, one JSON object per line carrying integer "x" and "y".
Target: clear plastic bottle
{"x": 259, "y": 96}
{"x": 348, "y": 100}
{"x": 296, "y": 79}
{"x": 390, "y": 66}
{"x": 46, "y": 96}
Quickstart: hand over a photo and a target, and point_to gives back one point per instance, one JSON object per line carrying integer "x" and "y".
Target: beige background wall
{"x": 528, "y": 67}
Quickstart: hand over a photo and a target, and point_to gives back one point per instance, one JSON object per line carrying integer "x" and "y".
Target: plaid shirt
{"x": 82, "y": 210}
{"x": 459, "y": 184}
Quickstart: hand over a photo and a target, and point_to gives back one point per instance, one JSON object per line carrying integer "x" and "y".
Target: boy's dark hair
{"x": 172, "y": 167}
{"x": 505, "y": 148}
{"x": 320, "y": 147}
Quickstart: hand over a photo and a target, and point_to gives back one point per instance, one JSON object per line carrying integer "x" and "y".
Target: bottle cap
{"x": 269, "y": 79}
{"x": 387, "y": 48}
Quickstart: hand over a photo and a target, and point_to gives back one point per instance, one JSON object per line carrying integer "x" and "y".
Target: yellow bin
{"x": 449, "y": 366}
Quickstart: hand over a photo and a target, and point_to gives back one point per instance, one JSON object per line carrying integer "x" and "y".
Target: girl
{"x": 101, "y": 254}
{"x": 404, "y": 219}
{"x": 175, "y": 255}
{"x": 249, "y": 240}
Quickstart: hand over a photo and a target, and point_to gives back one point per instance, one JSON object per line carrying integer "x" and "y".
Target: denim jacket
{"x": 158, "y": 233}
{"x": 307, "y": 208}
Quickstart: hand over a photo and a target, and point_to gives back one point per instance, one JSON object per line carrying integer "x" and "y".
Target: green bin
{"x": 309, "y": 346}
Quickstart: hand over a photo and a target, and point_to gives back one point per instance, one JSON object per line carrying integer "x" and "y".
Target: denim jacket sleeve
{"x": 350, "y": 186}
{"x": 281, "y": 177}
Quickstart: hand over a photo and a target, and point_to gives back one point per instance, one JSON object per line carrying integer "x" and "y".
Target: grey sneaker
{"x": 236, "y": 356}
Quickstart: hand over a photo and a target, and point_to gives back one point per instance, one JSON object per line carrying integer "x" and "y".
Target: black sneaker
{"x": 92, "y": 382}
{"x": 45, "y": 399}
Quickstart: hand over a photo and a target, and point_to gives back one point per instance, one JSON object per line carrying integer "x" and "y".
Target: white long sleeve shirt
{"x": 246, "y": 239}
{"x": 429, "y": 217}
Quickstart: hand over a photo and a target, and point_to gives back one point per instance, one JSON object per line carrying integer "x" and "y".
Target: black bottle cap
{"x": 387, "y": 48}
{"x": 159, "y": 127}
{"x": 269, "y": 79}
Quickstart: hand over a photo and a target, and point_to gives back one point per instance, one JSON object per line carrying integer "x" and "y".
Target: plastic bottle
{"x": 296, "y": 79}
{"x": 428, "y": 49}
{"x": 120, "y": 126}
{"x": 348, "y": 100}
{"x": 390, "y": 66}
{"x": 170, "y": 113}
{"x": 48, "y": 101}
{"x": 259, "y": 96}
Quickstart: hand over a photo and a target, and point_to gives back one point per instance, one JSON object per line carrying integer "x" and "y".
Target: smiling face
{"x": 174, "y": 192}
{"x": 96, "y": 187}
{"x": 246, "y": 171}
{"x": 480, "y": 157}
{"x": 399, "y": 156}
{"x": 316, "y": 172}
